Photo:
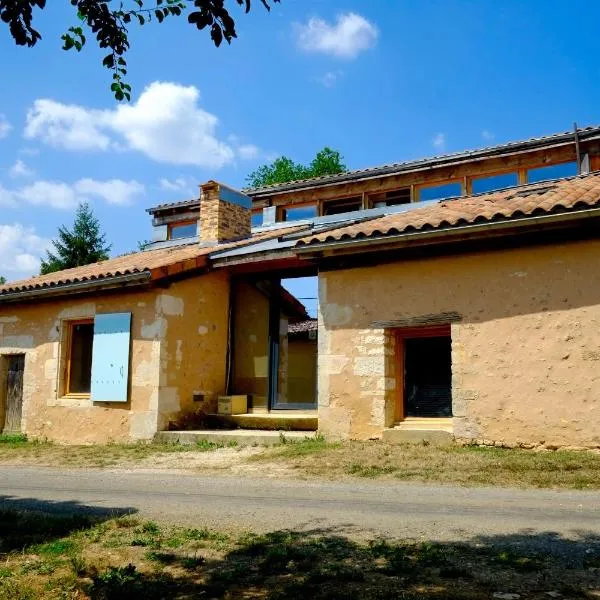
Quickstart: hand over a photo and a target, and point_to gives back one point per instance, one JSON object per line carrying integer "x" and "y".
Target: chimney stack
{"x": 225, "y": 213}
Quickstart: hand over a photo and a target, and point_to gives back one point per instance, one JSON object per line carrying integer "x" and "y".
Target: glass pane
{"x": 301, "y": 212}
{"x": 552, "y": 172}
{"x": 186, "y": 230}
{"x": 257, "y": 219}
{"x": 82, "y": 339}
{"x": 437, "y": 192}
{"x": 496, "y": 182}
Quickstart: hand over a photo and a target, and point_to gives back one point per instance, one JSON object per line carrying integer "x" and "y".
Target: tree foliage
{"x": 109, "y": 23}
{"x": 83, "y": 245}
{"x": 284, "y": 169}
{"x": 2, "y": 280}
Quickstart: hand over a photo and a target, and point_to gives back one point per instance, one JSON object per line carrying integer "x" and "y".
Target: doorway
{"x": 13, "y": 393}
{"x": 426, "y": 370}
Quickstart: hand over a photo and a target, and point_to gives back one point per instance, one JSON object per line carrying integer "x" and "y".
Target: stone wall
{"x": 222, "y": 219}
{"x": 178, "y": 348}
{"x": 525, "y": 343}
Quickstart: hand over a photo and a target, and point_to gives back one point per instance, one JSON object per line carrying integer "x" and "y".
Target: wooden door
{"x": 14, "y": 392}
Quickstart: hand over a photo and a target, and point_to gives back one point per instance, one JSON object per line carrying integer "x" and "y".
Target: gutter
{"x": 79, "y": 287}
{"x": 441, "y": 235}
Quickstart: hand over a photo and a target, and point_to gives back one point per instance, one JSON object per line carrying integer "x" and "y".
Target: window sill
{"x": 74, "y": 400}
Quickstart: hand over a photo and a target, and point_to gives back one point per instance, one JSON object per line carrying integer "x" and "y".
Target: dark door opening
{"x": 427, "y": 377}
{"x": 14, "y": 393}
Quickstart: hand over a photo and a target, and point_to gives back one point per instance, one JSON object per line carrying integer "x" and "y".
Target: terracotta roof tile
{"x": 130, "y": 264}
{"x": 541, "y": 198}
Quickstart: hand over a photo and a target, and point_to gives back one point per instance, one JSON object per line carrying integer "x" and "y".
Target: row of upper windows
{"x": 452, "y": 189}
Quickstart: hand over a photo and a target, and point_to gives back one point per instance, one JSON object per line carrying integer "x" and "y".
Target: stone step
{"x": 292, "y": 421}
{"x": 233, "y": 437}
{"x": 400, "y": 435}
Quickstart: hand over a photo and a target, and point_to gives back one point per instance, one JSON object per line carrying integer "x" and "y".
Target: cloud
{"x": 439, "y": 141}
{"x": 488, "y": 136}
{"x": 66, "y": 126}
{"x": 63, "y": 196}
{"x": 166, "y": 124}
{"x": 20, "y": 250}
{"x": 20, "y": 169}
{"x": 346, "y": 38}
{"x": 182, "y": 185}
{"x": 248, "y": 152}
{"x": 330, "y": 78}
{"x": 5, "y": 126}
{"x": 113, "y": 191}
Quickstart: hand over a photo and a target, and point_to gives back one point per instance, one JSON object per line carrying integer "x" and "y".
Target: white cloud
{"x": 439, "y": 141}
{"x": 248, "y": 151}
{"x": 488, "y": 136}
{"x": 20, "y": 169}
{"x": 5, "y": 126}
{"x": 64, "y": 196}
{"x": 180, "y": 184}
{"x": 330, "y": 78}
{"x": 66, "y": 126}
{"x": 166, "y": 124}
{"x": 113, "y": 191}
{"x": 346, "y": 38}
{"x": 20, "y": 250}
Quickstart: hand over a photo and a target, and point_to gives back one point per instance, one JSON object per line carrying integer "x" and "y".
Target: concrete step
{"x": 399, "y": 435}
{"x": 233, "y": 437}
{"x": 292, "y": 421}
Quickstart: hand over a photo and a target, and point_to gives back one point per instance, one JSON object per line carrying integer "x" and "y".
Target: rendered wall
{"x": 525, "y": 355}
{"x": 177, "y": 347}
{"x": 302, "y": 371}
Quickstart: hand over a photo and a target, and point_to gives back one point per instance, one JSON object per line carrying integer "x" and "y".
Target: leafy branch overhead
{"x": 109, "y": 21}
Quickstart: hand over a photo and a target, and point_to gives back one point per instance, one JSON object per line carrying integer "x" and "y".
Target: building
{"x": 458, "y": 296}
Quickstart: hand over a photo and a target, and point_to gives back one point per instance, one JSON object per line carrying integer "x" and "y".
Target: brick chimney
{"x": 225, "y": 213}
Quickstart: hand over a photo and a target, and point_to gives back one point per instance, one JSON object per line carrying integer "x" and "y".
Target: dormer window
{"x": 186, "y": 229}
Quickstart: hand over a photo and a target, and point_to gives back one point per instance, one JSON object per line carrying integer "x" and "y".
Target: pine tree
{"x": 84, "y": 245}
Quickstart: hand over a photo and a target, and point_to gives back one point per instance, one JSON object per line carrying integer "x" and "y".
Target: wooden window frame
{"x": 179, "y": 224}
{"x": 70, "y": 326}
{"x": 401, "y": 335}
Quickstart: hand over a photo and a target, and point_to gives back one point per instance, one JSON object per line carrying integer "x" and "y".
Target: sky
{"x": 380, "y": 81}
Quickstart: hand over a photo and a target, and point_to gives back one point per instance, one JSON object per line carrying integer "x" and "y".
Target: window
{"x": 179, "y": 231}
{"x": 79, "y": 359}
{"x": 495, "y": 182}
{"x": 300, "y": 213}
{"x": 437, "y": 192}
{"x": 338, "y": 207}
{"x": 257, "y": 219}
{"x": 393, "y": 198}
{"x": 552, "y": 172}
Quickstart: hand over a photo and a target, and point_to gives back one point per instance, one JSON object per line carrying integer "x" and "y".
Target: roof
{"x": 303, "y": 326}
{"x": 537, "y": 143}
{"x": 544, "y": 198}
{"x": 169, "y": 205}
{"x": 153, "y": 264}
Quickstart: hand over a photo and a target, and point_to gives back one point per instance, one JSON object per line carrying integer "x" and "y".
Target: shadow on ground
{"x": 27, "y": 521}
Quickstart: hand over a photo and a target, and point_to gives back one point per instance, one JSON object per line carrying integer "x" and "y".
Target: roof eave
{"x": 442, "y": 235}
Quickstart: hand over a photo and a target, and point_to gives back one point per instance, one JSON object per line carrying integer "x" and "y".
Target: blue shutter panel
{"x": 110, "y": 357}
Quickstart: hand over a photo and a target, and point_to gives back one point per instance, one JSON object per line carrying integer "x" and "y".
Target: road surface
{"x": 556, "y": 521}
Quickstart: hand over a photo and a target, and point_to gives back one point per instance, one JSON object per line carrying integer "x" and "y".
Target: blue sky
{"x": 380, "y": 81}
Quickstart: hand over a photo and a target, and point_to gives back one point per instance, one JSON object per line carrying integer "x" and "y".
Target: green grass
{"x": 63, "y": 557}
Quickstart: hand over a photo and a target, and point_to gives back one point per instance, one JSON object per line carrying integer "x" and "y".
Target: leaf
{"x": 216, "y": 34}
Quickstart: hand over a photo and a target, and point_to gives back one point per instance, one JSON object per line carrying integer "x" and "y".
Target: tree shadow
{"x": 26, "y": 521}
{"x": 327, "y": 564}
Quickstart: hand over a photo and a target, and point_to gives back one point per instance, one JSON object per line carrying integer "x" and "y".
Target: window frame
{"x": 401, "y": 335}
{"x": 180, "y": 224}
{"x": 69, "y": 346}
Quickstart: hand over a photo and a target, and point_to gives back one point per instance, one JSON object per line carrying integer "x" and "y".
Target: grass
{"x": 462, "y": 465}
{"x": 316, "y": 457}
{"x": 52, "y": 557}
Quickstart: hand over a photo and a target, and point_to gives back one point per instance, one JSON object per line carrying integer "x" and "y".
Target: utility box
{"x": 232, "y": 405}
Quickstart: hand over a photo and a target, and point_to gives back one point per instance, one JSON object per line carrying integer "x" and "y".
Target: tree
{"x": 2, "y": 280}
{"x": 283, "y": 169}
{"x": 84, "y": 245}
{"x": 110, "y": 25}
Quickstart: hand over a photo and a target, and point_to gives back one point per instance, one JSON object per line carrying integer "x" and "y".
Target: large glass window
{"x": 495, "y": 182}
{"x": 79, "y": 365}
{"x": 179, "y": 231}
{"x": 552, "y": 172}
{"x": 300, "y": 213}
{"x": 437, "y": 192}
